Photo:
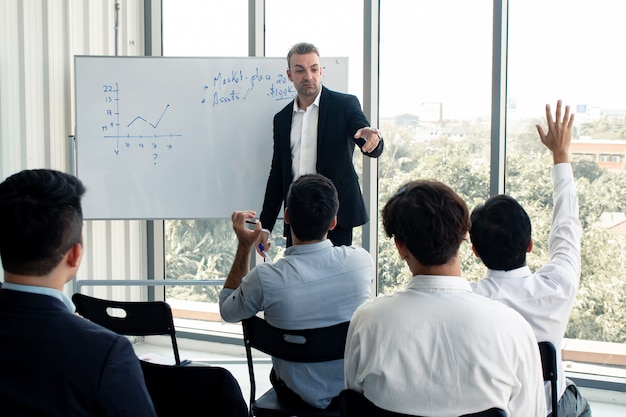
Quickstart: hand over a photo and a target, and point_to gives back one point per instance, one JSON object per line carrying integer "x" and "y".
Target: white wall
{"x": 38, "y": 41}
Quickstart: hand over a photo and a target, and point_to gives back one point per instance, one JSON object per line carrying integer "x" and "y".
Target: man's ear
{"x": 75, "y": 255}
{"x": 289, "y": 74}
{"x": 403, "y": 251}
{"x": 286, "y": 215}
{"x": 530, "y": 246}
{"x": 333, "y": 224}
{"x": 475, "y": 251}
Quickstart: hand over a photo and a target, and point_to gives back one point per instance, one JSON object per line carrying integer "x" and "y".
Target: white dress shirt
{"x": 437, "y": 349}
{"x": 304, "y": 138}
{"x": 546, "y": 298}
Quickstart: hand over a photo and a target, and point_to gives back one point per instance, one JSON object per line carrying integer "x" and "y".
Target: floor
{"x": 233, "y": 358}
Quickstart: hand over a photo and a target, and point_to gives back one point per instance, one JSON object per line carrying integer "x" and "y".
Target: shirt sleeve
{"x": 357, "y": 120}
{"x": 351, "y": 357}
{"x": 243, "y": 302}
{"x": 530, "y": 399}
{"x": 565, "y": 233}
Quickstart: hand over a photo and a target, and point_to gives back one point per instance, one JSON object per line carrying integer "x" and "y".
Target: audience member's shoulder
{"x": 382, "y": 302}
{"x": 85, "y": 325}
{"x": 498, "y": 309}
{"x": 352, "y": 248}
{"x": 486, "y": 286}
{"x": 352, "y": 251}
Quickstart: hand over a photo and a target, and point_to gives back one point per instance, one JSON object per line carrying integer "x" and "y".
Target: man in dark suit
{"x": 316, "y": 133}
{"x": 52, "y": 361}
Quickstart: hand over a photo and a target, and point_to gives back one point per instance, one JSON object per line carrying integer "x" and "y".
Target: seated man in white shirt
{"x": 501, "y": 237}
{"x": 436, "y": 348}
{"x": 315, "y": 284}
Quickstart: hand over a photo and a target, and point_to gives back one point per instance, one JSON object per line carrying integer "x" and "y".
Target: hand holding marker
{"x": 266, "y": 257}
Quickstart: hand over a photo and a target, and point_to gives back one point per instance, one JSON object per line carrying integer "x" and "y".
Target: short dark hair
{"x": 40, "y": 220}
{"x": 313, "y": 203}
{"x": 301, "y": 48}
{"x": 501, "y": 233}
{"x": 429, "y": 218}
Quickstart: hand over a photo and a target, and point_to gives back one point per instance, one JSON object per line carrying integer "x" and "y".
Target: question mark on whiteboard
{"x": 154, "y": 157}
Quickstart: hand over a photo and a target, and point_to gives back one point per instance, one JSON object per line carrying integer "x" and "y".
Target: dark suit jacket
{"x": 340, "y": 116}
{"x": 55, "y": 363}
{"x": 179, "y": 391}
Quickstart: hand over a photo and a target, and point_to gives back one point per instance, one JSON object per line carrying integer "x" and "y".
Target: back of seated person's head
{"x": 501, "y": 233}
{"x": 40, "y": 220}
{"x": 313, "y": 203}
{"x": 429, "y": 218}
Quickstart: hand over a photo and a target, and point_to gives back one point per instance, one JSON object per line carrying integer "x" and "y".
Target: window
{"x": 435, "y": 107}
{"x": 205, "y": 28}
{"x": 333, "y": 26}
{"x": 204, "y": 249}
{"x": 201, "y": 249}
{"x": 435, "y": 110}
{"x": 586, "y": 73}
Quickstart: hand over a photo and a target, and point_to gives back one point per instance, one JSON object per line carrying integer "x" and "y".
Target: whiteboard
{"x": 179, "y": 138}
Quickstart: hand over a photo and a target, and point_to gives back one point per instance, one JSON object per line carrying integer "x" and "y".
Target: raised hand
{"x": 559, "y": 135}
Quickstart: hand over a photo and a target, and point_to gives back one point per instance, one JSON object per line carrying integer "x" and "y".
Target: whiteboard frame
{"x": 129, "y": 190}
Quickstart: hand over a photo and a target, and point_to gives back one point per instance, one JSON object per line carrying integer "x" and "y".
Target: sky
{"x": 434, "y": 51}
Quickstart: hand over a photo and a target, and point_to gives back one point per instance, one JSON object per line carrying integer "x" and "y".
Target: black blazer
{"x": 340, "y": 116}
{"x": 55, "y": 363}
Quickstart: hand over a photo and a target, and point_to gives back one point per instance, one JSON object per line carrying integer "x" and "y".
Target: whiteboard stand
{"x": 71, "y": 146}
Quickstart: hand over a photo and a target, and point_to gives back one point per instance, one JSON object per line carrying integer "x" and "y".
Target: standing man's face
{"x": 305, "y": 72}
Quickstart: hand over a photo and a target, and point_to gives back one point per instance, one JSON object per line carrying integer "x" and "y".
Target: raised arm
{"x": 246, "y": 239}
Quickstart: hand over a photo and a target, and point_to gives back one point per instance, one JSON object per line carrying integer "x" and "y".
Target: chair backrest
{"x": 131, "y": 318}
{"x": 193, "y": 390}
{"x": 307, "y": 345}
{"x": 354, "y": 404}
{"x": 547, "y": 351}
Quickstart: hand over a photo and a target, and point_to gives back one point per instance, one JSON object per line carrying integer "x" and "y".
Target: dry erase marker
{"x": 266, "y": 257}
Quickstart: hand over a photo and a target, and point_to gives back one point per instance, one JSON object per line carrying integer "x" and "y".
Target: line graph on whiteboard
{"x": 138, "y": 132}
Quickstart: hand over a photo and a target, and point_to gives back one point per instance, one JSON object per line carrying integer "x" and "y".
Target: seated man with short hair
{"x": 314, "y": 285}
{"x": 436, "y": 348}
{"x": 52, "y": 361}
{"x": 501, "y": 237}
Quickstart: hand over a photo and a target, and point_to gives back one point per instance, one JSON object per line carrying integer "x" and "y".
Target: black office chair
{"x": 354, "y": 404}
{"x": 548, "y": 363}
{"x": 193, "y": 391}
{"x": 310, "y": 345}
{"x": 135, "y": 318}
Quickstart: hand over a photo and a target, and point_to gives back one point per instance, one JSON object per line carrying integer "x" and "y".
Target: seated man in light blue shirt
{"x": 314, "y": 285}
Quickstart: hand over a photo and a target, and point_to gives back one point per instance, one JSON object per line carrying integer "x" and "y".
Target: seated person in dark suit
{"x": 52, "y": 361}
